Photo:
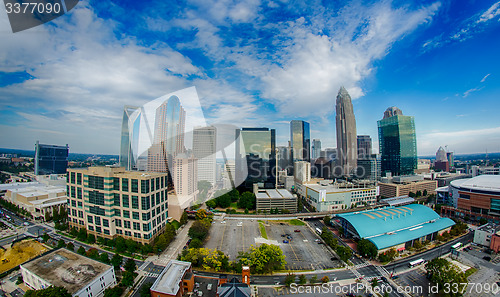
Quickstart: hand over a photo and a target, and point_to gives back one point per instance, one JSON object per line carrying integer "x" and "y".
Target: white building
{"x": 229, "y": 174}
{"x": 81, "y": 276}
{"x": 302, "y": 172}
{"x": 204, "y": 149}
{"x": 483, "y": 234}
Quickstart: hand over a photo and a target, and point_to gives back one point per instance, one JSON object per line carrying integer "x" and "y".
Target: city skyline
{"x": 254, "y": 63}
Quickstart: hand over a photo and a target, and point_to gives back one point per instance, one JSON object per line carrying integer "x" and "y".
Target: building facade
{"x": 364, "y": 146}
{"x": 50, "y": 159}
{"x": 347, "y": 147}
{"x": 300, "y": 140}
{"x": 316, "y": 148}
{"x": 175, "y": 280}
{"x": 110, "y": 202}
{"x": 302, "y": 172}
{"x": 271, "y": 199}
{"x": 391, "y": 189}
{"x": 204, "y": 149}
{"x": 398, "y": 143}
{"x": 126, "y": 154}
{"x": 331, "y": 198}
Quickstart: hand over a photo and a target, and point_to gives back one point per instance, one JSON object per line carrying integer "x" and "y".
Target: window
{"x": 105, "y": 222}
{"x": 135, "y": 186}
{"x": 73, "y": 177}
{"x": 135, "y": 215}
{"x": 128, "y": 233}
{"x": 118, "y": 231}
{"x": 97, "y": 220}
{"x": 80, "y": 214}
{"x": 146, "y": 227}
{"x": 80, "y": 193}
{"x": 96, "y": 182}
{"x": 135, "y": 202}
{"x": 90, "y": 219}
{"x": 73, "y": 212}
{"x": 137, "y": 226}
{"x": 98, "y": 229}
{"x": 116, "y": 199}
{"x": 126, "y": 214}
{"x": 126, "y": 224}
{"x": 97, "y": 210}
{"x": 118, "y": 223}
{"x": 91, "y": 228}
{"x": 96, "y": 197}
{"x": 153, "y": 212}
{"x": 117, "y": 212}
{"x": 80, "y": 204}
{"x": 106, "y": 231}
{"x": 116, "y": 183}
{"x": 157, "y": 183}
{"x": 144, "y": 186}
{"x": 464, "y": 196}
{"x": 125, "y": 201}
{"x": 146, "y": 216}
{"x": 157, "y": 198}
{"x": 125, "y": 184}
{"x": 145, "y": 203}
{"x": 79, "y": 178}
{"x": 73, "y": 203}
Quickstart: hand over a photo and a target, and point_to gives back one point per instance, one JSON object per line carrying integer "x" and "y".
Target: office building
{"x": 283, "y": 157}
{"x": 316, "y": 148}
{"x": 169, "y": 132}
{"x": 79, "y": 275}
{"x": 451, "y": 159}
{"x": 484, "y": 233}
{"x": 404, "y": 185}
{"x": 398, "y": 143}
{"x": 364, "y": 146}
{"x": 322, "y": 168}
{"x": 126, "y": 154}
{"x": 300, "y": 140}
{"x": 271, "y": 199}
{"x": 367, "y": 168}
{"x": 347, "y": 147}
{"x": 329, "y": 154}
{"x": 185, "y": 178}
{"x": 302, "y": 172}
{"x": 50, "y": 159}
{"x": 256, "y": 156}
{"x": 204, "y": 149}
{"x": 110, "y": 201}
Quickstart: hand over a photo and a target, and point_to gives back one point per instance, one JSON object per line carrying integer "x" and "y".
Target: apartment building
{"x": 110, "y": 201}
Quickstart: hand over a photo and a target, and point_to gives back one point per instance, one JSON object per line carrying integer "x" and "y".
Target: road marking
{"x": 222, "y": 239}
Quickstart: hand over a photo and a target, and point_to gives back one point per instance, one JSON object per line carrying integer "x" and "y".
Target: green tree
{"x": 199, "y": 229}
{"x": 446, "y": 275}
{"x": 45, "y": 237}
{"x": 184, "y": 218}
{"x": 289, "y": 279}
{"x": 81, "y": 250}
{"x": 344, "y": 253}
{"x": 130, "y": 265}
{"x": 367, "y": 248}
{"x": 374, "y": 282}
{"x": 128, "y": 279}
{"x": 201, "y": 214}
{"x": 120, "y": 244}
{"x": 82, "y": 234}
{"x": 223, "y": 201}
{"x": 313, "y": 279}
{"x": 419, "y": 193}
{"x": 48, "y": 292}
{"x": 131, "y": 245}
{"x": 104, "y": 257}
{"x": 482, "y": 221}
{"x": 195, "y": 243}
{"x": 211, "y": 203}
{"x": 263, "y": 259}
{"x": 61, "y": 243}
{"x": 326, "y": 220}
{"x": 116, "y": 291}
{"x": 93, "y": 253}
{"x": 116, "y": 261}
{"x": 144, "y": 291}
{"x": 91, "y": 238}
{"x": 247, "y": 200}
{"x": 302, "y": 279}
{"x": 19, "y": 280}
{"x": 425, "y": 192}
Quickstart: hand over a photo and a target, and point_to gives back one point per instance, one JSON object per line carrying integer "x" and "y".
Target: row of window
{"x": 147, "y": 202}
{"x": 132, "y": 185}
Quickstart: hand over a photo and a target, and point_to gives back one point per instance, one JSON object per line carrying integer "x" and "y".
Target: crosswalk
{"x": 151, "y": 274}
{"x": 364, "y": 264}
{"x": 144, "y": 265}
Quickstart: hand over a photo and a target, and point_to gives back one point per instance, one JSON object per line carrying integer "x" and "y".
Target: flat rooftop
{"x": 169, "y": 279}
{"x": 334, "y": 189}
{"x": 274, "y": 194}
{"x": 66, "y": 269}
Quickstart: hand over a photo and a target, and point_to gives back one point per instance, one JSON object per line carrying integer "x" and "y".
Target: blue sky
{"x": 256, "y": 64}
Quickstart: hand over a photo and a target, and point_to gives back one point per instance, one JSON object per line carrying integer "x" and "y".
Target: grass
{"x": 263, "y": 232}
{"x": 294, "y": 222}
{"x": 470, "y": 271}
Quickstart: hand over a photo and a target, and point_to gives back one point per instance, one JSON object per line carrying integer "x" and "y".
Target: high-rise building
{"x": 50, "y": 159}
{"x": 441, "y": 155}
{"x": 110, "y": 201}
{"x": 204, "y": 149}
{"x": 168, "y": 135}
{"x": 283, "y": 158}
{"x": 300, "y": 140}
{"x": 364, "y": 146}
{"x": 398, "y": 142}
{"x": 126, "y": 153}
{"x": 347, "y": 148}
{"x": 316, "y": 148}
{"x": 451, "y": 160}
{"x": 185, "y": 175}
{"x": 258, "y": 147}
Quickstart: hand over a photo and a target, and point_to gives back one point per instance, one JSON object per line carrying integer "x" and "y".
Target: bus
{"x": 318, "y": 230}
{"x": 416, "y": 262}
{"x": 456, "y": 246}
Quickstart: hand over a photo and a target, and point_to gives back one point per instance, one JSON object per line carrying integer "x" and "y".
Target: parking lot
{"x": 302, "y": 252}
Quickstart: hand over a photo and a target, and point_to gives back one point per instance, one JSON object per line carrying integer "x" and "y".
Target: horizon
{"x": 257, "y": 64}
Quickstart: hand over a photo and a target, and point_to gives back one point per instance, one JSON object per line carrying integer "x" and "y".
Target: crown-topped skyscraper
{"x": 347, "y": 148}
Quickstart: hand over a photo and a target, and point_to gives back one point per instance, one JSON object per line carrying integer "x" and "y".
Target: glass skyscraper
{"x": 50, "y": 159}
{"x": 126, "y": 154}
{"x": 316, "y": 148}
{"x": 301, "y": 140}
{"x": 398, "y": 143}
{"x": 258, "y": 147}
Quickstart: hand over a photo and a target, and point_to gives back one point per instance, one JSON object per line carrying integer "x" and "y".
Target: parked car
{"x": 285, "y": 241}
{"x": 487, "y": 258}
{"x": 296, "y": 230}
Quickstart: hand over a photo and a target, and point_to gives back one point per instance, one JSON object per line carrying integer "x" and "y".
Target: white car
{"x": 223, "y": 222}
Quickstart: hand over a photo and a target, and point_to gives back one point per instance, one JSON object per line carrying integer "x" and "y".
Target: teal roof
{"x": 390, "y": 226}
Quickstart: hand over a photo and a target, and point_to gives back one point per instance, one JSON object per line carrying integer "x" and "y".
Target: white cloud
{"x": 492, "y": 12}
{"x": 485, "y": 77}
{"x": 469, "y": 91}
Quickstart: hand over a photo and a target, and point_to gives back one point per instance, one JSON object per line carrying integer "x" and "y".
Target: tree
{"x": 61, "y": 243}
{"x": 82, "y": 234}
{"x": 223, "y": 201}
{"x": 344, "y": 253}
{"x": 289, "y": 279}
{"x": 199, "y": 229}
{"x": 81, "y": 250}
{"x": 45, "y": 237}
{"x": 263, "y": 259}
{"x": 374, "y": 282}
{"x": 116, "y": 261}
{"x": 325, "y": 279}
{"x": 326, "y": 220}
{"x": 91, "y": 238}
{"x": 419, "y": 193}
{"x": 211, "y": 203}
{"x": 184, "y": 218}
{"x": 70, "y": 246}
{"x": 247, "y": 201}
{"x": 195, "y": 243}
{"x": 19, "y": 280}
{"x": 302, "y": 279}
{"x": 482, "y": 221}
{"x": 104, "y": 258}
{"x": 128, "y": 279}
{"x": 93, "y": 253}
{"x": 367, "y": 248}
{"x": 120, "y": 244}
{"x": 116, "y": 291}
{"x": 411, "y": 194}
{"x": 425, "y": 192}
{"x": 313, "y": 279}
{"x": 201, "y": 214}
{"x": 144, "y": 291}
{"x": 48, "y": 217}
{"x": 417, "y": 244}
{"x": 446, "y": 275}
{"x": 130, "y": 265}
{"x": 48, "y": 292}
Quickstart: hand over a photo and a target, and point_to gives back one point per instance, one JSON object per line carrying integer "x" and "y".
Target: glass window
{"x": 145, "y": 203}
{"x": 137, "y": 226}
{"x": 135, "y": 202}
{"x": 98, "y": 229}
{"x": 116, "y": 183}
{"x": 106, "y": 231}
{"x": 125, "y": 184}
{"x": 73, "y": 178}
{"x": 146, "y": 216}
{"x": 126, "y": 214}
{"x": 97, "y": 220}
{"x": 91, "y": 228}
{"x": 105, "y": 222}
{"x": 135, "y": 186}
{"x": 125, "y": 201}
{"x": 73, "y": 192}
{"x": 118, "y": 223}
{"x": 97, "y": 210}
{"x": 135, "y": 215}
{"x": 144, "y": 186}
{"x": 73, "y": 203}
{"x": 146, "y": 227}
{"x": 116, "y": 199}
{"x": 117, "y": 212}
{"x": 126, "y": 224}
{"x": 90, "y": 219}
{"x": 79, "y": 178}
{"x": 96, "y": 182}
{"x": 96, "y": 197}
{"x": 80, "y": 193}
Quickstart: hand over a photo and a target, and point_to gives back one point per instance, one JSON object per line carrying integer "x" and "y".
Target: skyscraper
{"x": 316, "y": 148}
{"x": 204, "y": 149}
{"x": 168, "y": 135}
{"x": 347, "y": 149}
{"x": 258, "y": 147}
{"x": 50, "y": 159}
{"x": 126, "y": 154}
{"x": 301, "y": 140}
{"x": 398, "y": 144}
{"x": 364, "y": 146}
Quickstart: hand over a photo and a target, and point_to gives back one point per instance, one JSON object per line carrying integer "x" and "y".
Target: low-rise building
{"x": 81, "y": 276}
{"x": 403, "y": 185}
{"x": 281, "y": 199}
{"x": 176, "y": 279}
{"x": 483, "y": 234}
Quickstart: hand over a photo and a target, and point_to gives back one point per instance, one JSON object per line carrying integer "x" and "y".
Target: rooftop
{"x": 169, "y": 279}
{"x": 111, "y": 171}
{"x": 481, "y": 182}
{"x": 334, "y": 189}
{"x": 274, "y": 194}
{"x": 395, "y": 201}
{"x": 38, "y": 190}
{"x": 490, "y": 228}
{"x": 66, "y": 269}
{"x": 390, "y": 226}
